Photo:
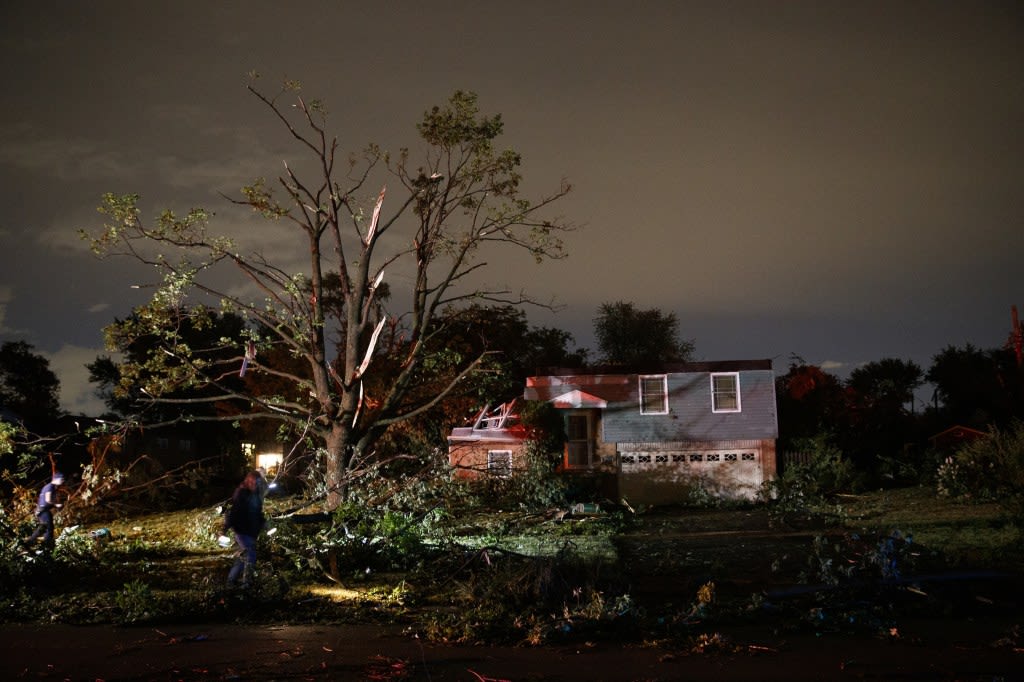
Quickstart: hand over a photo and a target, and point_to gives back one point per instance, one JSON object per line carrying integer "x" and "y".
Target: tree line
{"x": 872, "y": 417}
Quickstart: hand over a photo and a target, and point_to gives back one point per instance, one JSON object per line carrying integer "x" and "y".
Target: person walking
{"x": 48, "y": 502}
{"x": 245, "y": 519}
{"x": 262, "y": 484}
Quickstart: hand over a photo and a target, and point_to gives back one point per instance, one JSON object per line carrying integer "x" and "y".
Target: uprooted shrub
{"x": 989, "y": 469}
{"x": 357, "y": 539}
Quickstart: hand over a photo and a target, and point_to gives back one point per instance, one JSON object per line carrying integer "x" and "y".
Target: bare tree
{"x": 355, "y": 364}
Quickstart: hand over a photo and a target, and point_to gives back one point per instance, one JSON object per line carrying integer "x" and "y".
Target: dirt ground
{"x": 364, "y": 652}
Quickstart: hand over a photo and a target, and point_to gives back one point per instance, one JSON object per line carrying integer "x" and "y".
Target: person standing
{"x": 245, "y": 519}
{"x": 48, "y": 502}
{"x": 262, "y": 484}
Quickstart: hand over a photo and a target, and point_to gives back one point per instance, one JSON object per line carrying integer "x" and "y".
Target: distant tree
{"x": 28, "y": 387}
{"x": 363, "y": 364}
{"x": 29, "y": 412}
{"x": 105, "y": 377}
{"x": 146, "y": 369}
{"x": 510, "y": 350}
{"x": 882, "y": 426}
{"x": 886, "y": 385}
{"x": 516, "y": 347}
{"x": 627, "y": 335}
{"x": 977, "y": 388}
{"x": 548, "y": 347}
{"x": 812, "y": 403}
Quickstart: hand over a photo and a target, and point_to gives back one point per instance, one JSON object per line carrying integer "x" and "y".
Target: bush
{"x": 74, "y": 547}
{"x": 696, "y": 494}
{"x": 12, "y": 567}
{"x": 808, "y": 487}
{"x": 135, "y": 602}
{"x": 534, "y": 487}
{"x": 988, "y": 470}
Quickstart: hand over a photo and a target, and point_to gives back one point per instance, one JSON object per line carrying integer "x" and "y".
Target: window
{"x": 499, "y": 463}
{"x": 654, "y": 394}
{"x": 578, "y": 445}
{"x": 270, "y": 462}
{"x": 725, "y": 392}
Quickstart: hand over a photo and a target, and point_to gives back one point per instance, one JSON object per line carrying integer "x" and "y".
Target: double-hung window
{"x": 654, "y": 394}
{"x": 725, "y": 392}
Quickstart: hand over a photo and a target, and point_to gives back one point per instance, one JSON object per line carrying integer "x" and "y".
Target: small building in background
{"x": 954, "y": 437}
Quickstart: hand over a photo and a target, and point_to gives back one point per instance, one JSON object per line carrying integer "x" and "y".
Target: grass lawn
{"x": 964, "y": 534}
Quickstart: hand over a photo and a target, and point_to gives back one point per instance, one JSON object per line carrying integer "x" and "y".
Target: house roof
{"x": 577, "y": 399}
{"x": 597, "y": 388}
{"x": 616, "y": 384}
{"x": 467, "y": 434}
{"x": 659, "y": 368}
{"x": 498, "y": 425}
{"x": 958, "y": 432}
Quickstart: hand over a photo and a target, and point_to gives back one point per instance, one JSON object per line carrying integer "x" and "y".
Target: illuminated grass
{"x": 959, "y": 532}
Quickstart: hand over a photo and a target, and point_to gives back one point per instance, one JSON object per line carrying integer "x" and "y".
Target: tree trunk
{"x": 338, "y": 458}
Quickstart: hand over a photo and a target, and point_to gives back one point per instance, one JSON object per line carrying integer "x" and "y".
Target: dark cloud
{"x": 837, "y": 180}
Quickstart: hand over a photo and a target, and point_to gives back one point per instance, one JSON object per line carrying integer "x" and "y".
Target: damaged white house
{"x": 646, "y": 437}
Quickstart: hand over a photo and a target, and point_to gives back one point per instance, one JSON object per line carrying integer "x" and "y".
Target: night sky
{"x": 841, "y": 181}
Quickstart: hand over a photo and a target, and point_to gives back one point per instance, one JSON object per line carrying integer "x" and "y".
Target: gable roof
{"x": 616, "y": 384}
{"x": 956, "y": 434}
{"x": 577, "y": 399}
{"x": 602, "y": 388}
{"x": 658, "y": 368}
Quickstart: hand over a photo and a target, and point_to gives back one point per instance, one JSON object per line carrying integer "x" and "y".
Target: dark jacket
{"x": 246, "y": 514}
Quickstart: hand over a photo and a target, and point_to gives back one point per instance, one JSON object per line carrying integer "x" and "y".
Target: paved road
{"x": 366, "y": 652}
